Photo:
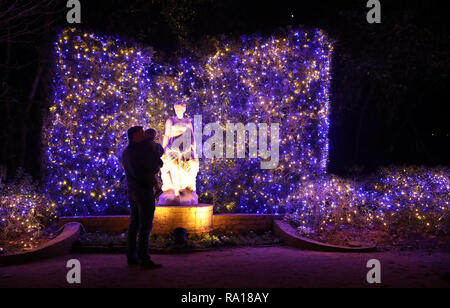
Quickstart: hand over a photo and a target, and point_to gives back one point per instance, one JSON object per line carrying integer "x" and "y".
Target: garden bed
{"x": 60, "y": 245}
{"x": 401, "y": 239}
{"x": 396, "y": 208}
{"x": 23, "y": 243}
{"x": 116, "y": 242}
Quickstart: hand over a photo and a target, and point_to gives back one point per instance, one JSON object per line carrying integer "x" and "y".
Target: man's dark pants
{"x": 142, "y": 204}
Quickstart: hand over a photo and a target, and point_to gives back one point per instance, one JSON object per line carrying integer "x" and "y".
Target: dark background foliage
{"x": 389, "y": 96}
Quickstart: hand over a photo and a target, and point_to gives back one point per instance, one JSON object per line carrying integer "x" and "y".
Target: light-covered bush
{"x": 414, "y": 198}
{"x": 24, "y": 210}
{"x": 329, "y": 202}
{"x": 409, "y": 198}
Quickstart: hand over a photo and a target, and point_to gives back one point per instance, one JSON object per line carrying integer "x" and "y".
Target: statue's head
{"x": 180, "y": 109}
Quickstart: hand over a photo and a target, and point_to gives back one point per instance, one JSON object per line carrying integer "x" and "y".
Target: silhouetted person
{"x": 141, "y": 165}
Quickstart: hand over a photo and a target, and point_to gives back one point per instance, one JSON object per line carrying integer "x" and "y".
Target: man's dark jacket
{"x": 157, "y": 149}
{"x": 141, "y": 164}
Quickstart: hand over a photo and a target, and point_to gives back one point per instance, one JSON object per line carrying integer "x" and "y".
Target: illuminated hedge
{"x": 104, "y": 85}
{"x": 397, "y": 198}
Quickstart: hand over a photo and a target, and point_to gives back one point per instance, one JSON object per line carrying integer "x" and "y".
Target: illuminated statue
{"x": 181, "y": 164}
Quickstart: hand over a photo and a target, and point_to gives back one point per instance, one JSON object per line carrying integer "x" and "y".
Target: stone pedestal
{"x": 196, "y": 219}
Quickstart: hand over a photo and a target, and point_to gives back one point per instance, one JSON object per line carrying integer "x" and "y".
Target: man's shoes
{"x": 149, "y": 264}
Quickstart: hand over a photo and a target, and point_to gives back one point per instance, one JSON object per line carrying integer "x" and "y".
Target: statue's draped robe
{"x": 180, "y": 167}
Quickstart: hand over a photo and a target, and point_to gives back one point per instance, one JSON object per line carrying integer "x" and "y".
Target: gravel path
{"x": 240, "y": 267}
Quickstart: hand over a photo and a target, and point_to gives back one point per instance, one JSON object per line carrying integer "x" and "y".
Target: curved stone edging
{"x": 58, "y": 246}
{"x": 286, "y": 232}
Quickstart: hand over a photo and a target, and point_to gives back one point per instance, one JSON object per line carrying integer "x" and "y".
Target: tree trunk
{"x": 362, "y": 114}
{"x": 8, "y": 150}
{"x": 26, "y": 115}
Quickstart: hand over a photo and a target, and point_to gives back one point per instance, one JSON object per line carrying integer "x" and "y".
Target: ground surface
{"x": 275, "y": 266}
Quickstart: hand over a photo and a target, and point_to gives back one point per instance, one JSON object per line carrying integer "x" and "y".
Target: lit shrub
{"x": 329, "y": 202}
{"x": 24, "y": 210}
{"x": 414, "y": 199}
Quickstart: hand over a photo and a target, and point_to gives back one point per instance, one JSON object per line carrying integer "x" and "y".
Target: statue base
{"x": 186, "y": 197}
{"x": 196, "y": 219}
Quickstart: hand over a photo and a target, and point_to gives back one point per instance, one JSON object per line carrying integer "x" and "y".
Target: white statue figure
{"x": 181, "y": 164}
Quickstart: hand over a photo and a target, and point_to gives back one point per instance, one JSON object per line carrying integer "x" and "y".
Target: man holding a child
{"x": 141, "y": 160}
